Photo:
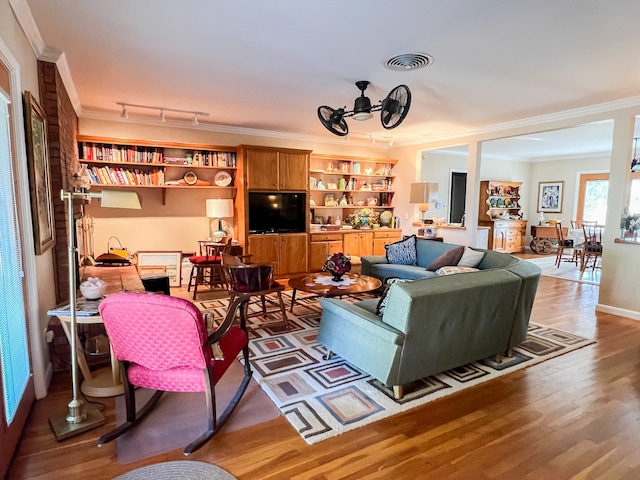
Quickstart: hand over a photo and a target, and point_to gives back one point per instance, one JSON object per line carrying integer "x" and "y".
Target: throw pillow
{"x": 470, "y": 258}
{"x": 402, "y": 252}
{"x": 382, "y": 303}
{"x": 451, "y": 257}
{"x": 450, "y": 270}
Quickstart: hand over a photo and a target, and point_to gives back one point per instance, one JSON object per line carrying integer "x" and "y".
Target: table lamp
{"x": 80, "y": 419}
{"x": 422, "y": 194}
{"x": 219, "y": 208}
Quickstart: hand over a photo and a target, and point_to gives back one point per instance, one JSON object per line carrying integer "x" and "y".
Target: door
{"x": 16, "y": 383}
{"x": 458, "y": 196}
{"x": 592, "y": 197}
{"x": 293, "y": 171}
{"x": 262, "y": 169}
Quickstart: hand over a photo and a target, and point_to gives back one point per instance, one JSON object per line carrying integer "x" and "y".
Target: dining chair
{"x": 162, "y": 344}
{"x": 255, "y": 280}
{"x": 207, "y": 266}
{"x": 565, "y": 245}
{"x": 592, "y": 250}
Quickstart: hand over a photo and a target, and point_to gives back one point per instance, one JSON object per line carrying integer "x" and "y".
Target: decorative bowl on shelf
{"x": 93, "y": 288}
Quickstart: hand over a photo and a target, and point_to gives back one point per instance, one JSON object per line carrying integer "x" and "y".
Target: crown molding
{"x": 359, "y": 141}
{"x": 530, "y": 122}
{"x": 44, "y": 53}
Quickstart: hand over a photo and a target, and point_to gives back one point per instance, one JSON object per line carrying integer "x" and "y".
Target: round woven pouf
{"x": 179, "y": 470}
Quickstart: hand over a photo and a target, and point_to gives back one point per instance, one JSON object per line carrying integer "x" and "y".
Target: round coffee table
{"x": 319, "y": 284}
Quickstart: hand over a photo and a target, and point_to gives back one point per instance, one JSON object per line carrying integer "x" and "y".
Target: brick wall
{"x": 62, "y": 129}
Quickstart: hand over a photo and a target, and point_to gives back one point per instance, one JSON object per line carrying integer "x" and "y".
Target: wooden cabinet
{"x": 287, "y": 250}
{"x": 145, "y": 164}
{"x": 384, "y": 237}
{"x": 321, "y": 245}
{"x": 509, "y": 236}
{"x": 358, "y": 243}
{"x": 500, "y": 210}
{"x": 275, "y": 169}
{"x": 353, "y": 242}
{"x": 340, "y": 185}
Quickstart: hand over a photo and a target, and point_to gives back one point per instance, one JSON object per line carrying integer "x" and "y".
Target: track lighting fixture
{"x": 162, "y": 110}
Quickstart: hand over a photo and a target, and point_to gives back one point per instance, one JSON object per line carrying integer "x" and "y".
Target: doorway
{"x": 458, "y": 195}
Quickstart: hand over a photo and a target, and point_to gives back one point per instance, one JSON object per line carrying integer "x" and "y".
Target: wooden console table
{"x": 104, "y": 382}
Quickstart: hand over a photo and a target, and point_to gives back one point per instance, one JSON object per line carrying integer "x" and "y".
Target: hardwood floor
{"x": 575, "y": 416}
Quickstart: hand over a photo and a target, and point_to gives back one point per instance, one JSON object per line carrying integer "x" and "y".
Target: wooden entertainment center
{"x": 234, "y": 172}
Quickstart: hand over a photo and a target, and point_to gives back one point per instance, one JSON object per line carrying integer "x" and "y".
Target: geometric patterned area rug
{"x": 324, "y": 398}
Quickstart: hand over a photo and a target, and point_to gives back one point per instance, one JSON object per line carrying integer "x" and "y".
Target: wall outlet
{"x": 406, "y": 215}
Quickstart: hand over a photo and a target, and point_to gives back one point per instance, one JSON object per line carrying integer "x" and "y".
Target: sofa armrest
{"x": 365, "y": 321}
{"x": 371, "y": 260}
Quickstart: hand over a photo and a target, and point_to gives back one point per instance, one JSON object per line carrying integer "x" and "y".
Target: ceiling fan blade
{"x": 333, "y": 120}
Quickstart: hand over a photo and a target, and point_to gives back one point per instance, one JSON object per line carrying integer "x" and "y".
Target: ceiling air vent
{"x": 408, "y": 61}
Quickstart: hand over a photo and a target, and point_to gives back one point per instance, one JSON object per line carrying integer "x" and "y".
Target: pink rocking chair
{"x": 162, "y": 344}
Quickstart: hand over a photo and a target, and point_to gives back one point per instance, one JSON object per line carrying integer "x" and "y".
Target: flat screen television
{"x": 275, "y": 212}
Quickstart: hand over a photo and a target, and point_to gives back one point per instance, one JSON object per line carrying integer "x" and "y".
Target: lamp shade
{"x": 423, "y": 192}
{"x": 219, "y": 207}
{"x": 119, "y": 199}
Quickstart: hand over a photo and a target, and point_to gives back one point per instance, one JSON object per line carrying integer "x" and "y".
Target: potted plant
{"x": 630, "y": 224}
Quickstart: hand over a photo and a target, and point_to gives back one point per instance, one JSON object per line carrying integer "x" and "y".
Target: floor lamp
{"x": 79, "y": 418}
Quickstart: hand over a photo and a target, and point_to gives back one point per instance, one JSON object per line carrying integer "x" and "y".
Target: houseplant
{"x": 630, "y": 224}
{"x": 337, "y": 265}
{"x": 364, "y": 218}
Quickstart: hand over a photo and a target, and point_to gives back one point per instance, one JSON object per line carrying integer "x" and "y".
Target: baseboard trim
{"x": 621, "y": 312}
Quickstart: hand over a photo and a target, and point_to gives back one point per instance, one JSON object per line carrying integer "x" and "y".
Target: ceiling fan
{"x": 393, "y": 110}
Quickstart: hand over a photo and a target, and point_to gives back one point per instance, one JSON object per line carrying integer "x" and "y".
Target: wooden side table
{"x": 104, "y": 382}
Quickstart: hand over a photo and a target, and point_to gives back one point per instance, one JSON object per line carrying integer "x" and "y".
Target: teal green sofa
{"x": 434, "y": 323}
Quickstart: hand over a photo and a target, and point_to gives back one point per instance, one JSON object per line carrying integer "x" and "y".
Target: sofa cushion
{"x": 470, "y": 258}
{"x": 386, "y": 270}
{"x": 382, "y": 303}
{"x": 452, "y": 257}
{"x": 450, "y": 270}
{"x": 402, "y": 252}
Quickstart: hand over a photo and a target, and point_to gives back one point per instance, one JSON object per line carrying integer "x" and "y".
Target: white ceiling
{"x": 268, "y": 65}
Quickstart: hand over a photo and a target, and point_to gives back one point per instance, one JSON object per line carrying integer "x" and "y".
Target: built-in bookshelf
{"x": 141, "y": 163}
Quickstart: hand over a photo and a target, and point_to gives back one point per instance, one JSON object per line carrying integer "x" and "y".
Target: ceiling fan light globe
{"x": 362, "y": 116}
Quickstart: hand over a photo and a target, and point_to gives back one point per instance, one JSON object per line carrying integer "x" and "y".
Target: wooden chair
{"x": 565, "y": 245}
{"x": 592, "y": 251}
{"x": 162, "y": 344}
{"x": 255, "y": 280}
{"x": 207, "y": 267}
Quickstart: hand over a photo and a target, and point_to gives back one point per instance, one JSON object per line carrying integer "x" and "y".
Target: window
{"x": 13, "y": 331}
{"x": 592, "y": 197}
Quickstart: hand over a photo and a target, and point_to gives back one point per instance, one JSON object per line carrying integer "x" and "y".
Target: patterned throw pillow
{"x": 450, "y": 270}
{"x": 382, "y": 303}
{"x": 470, "y": 258}
{"x": 450, "y": 257}
{"x": 402, "y": 252}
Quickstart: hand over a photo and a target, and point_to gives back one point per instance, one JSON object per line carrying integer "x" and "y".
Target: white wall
{"x": 39, "y": 271}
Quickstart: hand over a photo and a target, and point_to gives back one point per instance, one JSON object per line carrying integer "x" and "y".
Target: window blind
{"x": 14, "y": 354}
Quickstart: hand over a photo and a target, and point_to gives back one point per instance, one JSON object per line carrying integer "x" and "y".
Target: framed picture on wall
{"x": 162, "y": 262}
{"x": 550, "y": 197}
{"x": 39, "y": 175}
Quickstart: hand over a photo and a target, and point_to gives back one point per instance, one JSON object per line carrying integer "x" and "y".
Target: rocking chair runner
{"x": 162, "y": 344}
